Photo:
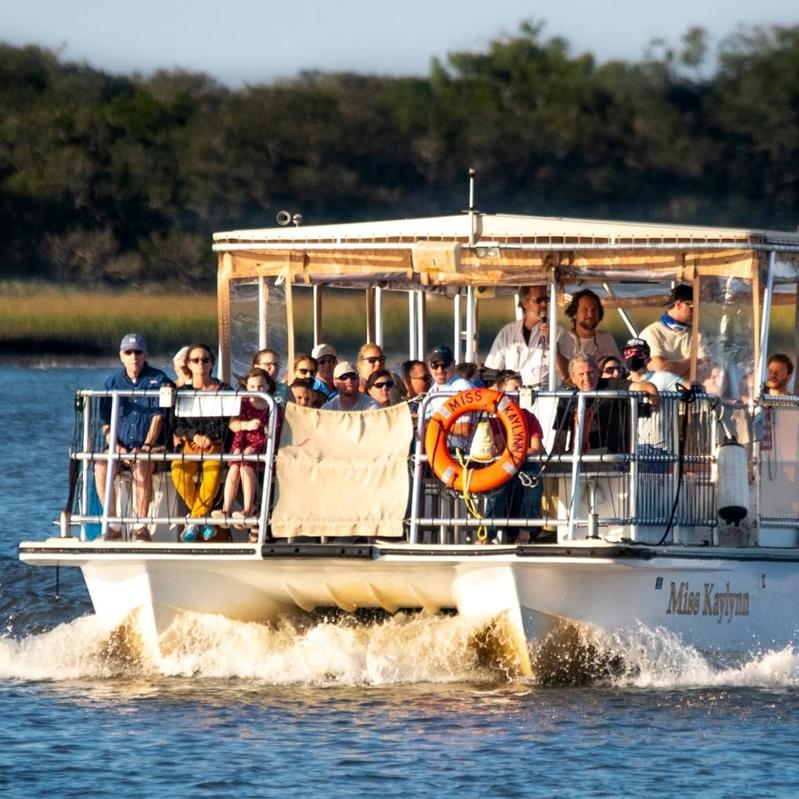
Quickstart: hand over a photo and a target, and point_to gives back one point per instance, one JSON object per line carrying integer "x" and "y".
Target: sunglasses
{"x": 387, "y": 384}
{"x": 133, "y": 352}
{"x": 265, "y": 364}
{"x": 441, "y": 365}
{"x": 348, "y": 376}
{"x": 375, "y": 358}
{"x": 328, "y": 359}
{"x": 204, "y": 359}
{"x": 612, "y": 369}
{"x": 306, "y": 371}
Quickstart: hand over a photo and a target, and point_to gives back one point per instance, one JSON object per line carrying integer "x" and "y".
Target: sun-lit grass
{"x": 41, "y": 318}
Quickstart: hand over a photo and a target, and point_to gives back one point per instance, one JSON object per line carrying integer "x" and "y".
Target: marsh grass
{"x": 53, "y": 319}
{"x": 44, "y": 318}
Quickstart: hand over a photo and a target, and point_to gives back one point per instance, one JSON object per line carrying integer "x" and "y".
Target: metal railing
{"x": 91, "y": 449}
{"x": 659, "y": 475}
{"x": 658, "y": 484}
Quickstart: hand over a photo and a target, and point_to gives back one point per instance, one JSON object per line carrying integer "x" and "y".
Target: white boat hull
{"x": 730, "y": 601}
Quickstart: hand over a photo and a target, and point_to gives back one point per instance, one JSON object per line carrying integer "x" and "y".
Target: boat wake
{"x": 401, "y": 649}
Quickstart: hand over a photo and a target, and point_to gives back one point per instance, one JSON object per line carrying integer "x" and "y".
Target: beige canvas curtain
{"x": 342, "y": 474}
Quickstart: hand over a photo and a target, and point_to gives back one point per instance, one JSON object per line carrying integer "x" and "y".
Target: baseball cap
{"x": 636, "y": 344}
{"x": 132, "y": 341}
{"x": 440, "y": 353}
{"x": 320, "y": 350}
{"x": 680, "y": 292}
{"x": 344, "y": 368}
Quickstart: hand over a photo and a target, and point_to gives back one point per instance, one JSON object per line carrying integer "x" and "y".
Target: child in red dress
{"x": 250, "y": 428}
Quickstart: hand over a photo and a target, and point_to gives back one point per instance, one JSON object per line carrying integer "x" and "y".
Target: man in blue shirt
{"x": 139, "y": 428}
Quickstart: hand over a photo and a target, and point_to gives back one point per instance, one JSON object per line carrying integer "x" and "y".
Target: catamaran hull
{"x": 736, "y": 601}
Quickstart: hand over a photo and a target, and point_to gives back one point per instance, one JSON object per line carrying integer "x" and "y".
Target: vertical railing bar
{"x": 87, "y": 442}
{"x": 266, "y": 489}
{"x": 110, "y": 461}
{"x": 577, "y": 451}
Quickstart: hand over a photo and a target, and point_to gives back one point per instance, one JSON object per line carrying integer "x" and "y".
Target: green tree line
{"x": 122, "y": 179}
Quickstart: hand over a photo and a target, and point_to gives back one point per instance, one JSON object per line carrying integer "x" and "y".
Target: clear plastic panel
{"x": 244, "y": 312}
{"x": 726, "y": 325}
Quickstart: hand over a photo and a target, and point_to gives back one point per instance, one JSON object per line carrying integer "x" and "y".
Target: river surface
{"x": 402, "y": 708}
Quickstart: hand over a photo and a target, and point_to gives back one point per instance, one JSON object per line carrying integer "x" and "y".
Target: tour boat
{"x": 700, "y": 541}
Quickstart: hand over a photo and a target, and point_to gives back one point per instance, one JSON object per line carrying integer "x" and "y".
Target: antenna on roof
{"x": 471, "y": 209}
{"x": 284, "y": 218}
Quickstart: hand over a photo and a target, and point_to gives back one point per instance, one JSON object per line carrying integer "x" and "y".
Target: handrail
{"x": 88, "y": 456}
{"x": 633, "y": 465}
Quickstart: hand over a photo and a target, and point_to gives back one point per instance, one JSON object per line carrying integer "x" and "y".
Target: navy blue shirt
{"x": 135, "y": 413}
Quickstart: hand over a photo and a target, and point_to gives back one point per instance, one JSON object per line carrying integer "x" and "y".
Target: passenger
{"x": 370, "y": 359}
{"x": 441, "y": 362}
{"x": 606, "y": 427}
{"x": 518, "y": 498}
{"x": 139, "y": 428}
{"x": 326, "y": 359}
{"x": 586, "y": 312}
{"x": 471, "y": 372}
{"x": 251, "y": 428}
{"x": 301, "y": 392}
{"x": 379, "y": 386}
{"x": 182, "y": 373}
{"x": 669, "y": 338}
{"x": 305, "y": 367}
{"x": 638, "y": 359}
{"x": 523, "y": 346}
{"x": 653, "y": 435}
{"x": 197, "y": 481}
{"x": 610, "y": 367}
{"x": 778, "y": 374}
{"x": 269, "y": 361}
{"x": 349, "y": 398}
{"x": 715, "y": 382}
{"x": 416, "y": 378}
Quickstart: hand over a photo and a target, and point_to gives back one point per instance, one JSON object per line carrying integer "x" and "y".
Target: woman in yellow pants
{"x": 197, "y": 481}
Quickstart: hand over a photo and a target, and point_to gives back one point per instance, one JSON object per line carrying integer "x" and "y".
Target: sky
{"x": 251, "y": 41}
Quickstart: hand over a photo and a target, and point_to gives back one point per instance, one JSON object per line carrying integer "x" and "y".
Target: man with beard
{"x": 778, "y": 375}
{"x": 586, "y": 312}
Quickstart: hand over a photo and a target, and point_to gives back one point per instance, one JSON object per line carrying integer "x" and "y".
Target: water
{"x": 403, "y": 708}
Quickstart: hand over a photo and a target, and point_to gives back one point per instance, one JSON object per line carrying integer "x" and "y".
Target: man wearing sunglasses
{"x": 523, "y": 346}
{"x": 139, "y": 429}
{"x": 669, "y": 338}
{"x": 442, "y": 367}
{"x": 349, "y": 397}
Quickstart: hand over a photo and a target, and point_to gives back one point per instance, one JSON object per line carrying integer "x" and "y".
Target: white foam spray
{"x": 403, "y": 649}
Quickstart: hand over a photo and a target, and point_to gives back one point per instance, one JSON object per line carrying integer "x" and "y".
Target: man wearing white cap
{"x": 139, "y": 425}
{"x": 349, "y": 397}
{"x": 326, "y": 358}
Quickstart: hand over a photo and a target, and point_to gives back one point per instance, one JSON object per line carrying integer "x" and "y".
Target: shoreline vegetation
{"x": 121, "y": 179}
{"x": 40, "y": 319}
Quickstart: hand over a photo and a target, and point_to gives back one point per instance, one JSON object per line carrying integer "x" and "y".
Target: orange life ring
{"x": 517, "y": 438}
